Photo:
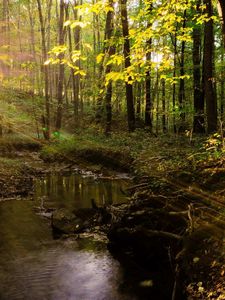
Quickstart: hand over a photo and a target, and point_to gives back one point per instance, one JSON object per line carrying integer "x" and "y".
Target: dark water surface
{"x": 34, "y": 266}
{"x": 76, "y": 191}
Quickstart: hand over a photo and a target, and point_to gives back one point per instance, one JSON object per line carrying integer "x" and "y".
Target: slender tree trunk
{"x": 138, "y": 100}
{"x": 157, "y": 102}
{"x": 76, "y": 79}
{"x": 46, "y": 118}
{"x": 1, "y": 126}
{"x": 95, "y": 54}
{"x": 58, "y": 124}
{"x": 148, "y": 98}
{"x": 32, "y": 41}
{"x": 48, "y": 45}
{"x": 126, "y": 51}
{"x": 4, "y": 38}
{"x": 101, "y": 77}
{"x": 198, "y": 125}
{"x": 181, "y": 95}
{"x": 174, "y": 84}
{"x": 48, "y": 29}
{"x": 221, "y": 5}
{"x": 222, "y": 84}
{"x": 164, "y": 106}
{"x": 70, "y": 45}
{"x": 210, "y": 97}
{"x": 110, "y": 51}
{"x": 108, "y": 106}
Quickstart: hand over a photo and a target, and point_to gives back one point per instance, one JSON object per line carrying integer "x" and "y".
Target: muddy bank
{"x": 106, "y": 158}
{"x": 166, "y": 230}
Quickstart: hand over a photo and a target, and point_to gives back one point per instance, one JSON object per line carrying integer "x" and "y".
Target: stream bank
{"x": 169, "y": 218}
{"x": 174, "y": 222}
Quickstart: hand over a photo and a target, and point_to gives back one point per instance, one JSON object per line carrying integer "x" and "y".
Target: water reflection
{"x": 77, "y": 191}
{"x": 33, "y": 266}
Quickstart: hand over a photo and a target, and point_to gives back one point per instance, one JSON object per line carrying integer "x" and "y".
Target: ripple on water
{"x": 62, "y": 274}
{"x": 33, "y": 266}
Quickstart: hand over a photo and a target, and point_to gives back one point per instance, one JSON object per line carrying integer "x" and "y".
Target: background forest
{"x": 131, "y": 90}
{"x": 161, "y": 63}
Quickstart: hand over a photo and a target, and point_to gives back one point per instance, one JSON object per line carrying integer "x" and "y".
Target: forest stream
{"x": 34, "y": 265}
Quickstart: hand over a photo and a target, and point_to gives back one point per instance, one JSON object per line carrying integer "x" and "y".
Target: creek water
{"x": 35, "y": 266}
{"x": 77, "y": 190}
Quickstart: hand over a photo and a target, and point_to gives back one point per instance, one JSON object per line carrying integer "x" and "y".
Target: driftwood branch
{"x": 10, "y": 199}
{"x": 178, "y": 213}
{"x": 160, "y": 233}
{"x": 131, "y": 188}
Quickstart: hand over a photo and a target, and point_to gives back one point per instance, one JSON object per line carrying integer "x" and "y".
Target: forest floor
{"x": 184, "y": 174}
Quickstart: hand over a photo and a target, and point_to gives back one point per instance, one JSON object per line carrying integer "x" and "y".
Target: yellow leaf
{"x": 146, "y": 283}
{"x": 80, "y": 72}
{"x": 67, "y": 23}
{"x": 87, "y": 46}
{"x": 99, "y": 58}
{"x": 78, "y": 24}
{"x": 47, "y": 62}
{"x": 195, "y": 260}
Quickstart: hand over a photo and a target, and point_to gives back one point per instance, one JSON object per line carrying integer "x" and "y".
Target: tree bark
{"x": 148, "y": 96}
{"x": 110, "y": 51}
{"x": 174, "y": 84}
{"x": 222, "y": 75}
{"x": 222, "y": 15}
{"x": 46, "y": 118}
{"x": 164, "y": 106}
{"x": 209, "y": 91}
{"x": 181, "y": 96}
{"x": 76, "y": 78}
{"x": 58, "y": 124}
{"x": 198, "y": 126}
{"x": 126, "y": 52}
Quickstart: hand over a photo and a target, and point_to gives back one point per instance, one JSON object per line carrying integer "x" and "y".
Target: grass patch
{"x": 146, "y": 152}
{"x": 19, "y": 112}
{"x": 18, "y": 142}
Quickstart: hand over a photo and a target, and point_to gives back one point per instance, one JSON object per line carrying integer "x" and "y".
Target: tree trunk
{"x": 198, "y": 125}
{"x": 210, "y": 97}
{"x": 181, "y": 96}
{"x": 164, "y": 105}
{"x": 76, "y": 79}
{"x": 4, "y": 38}
{"x": 110, "y": 51}
{"x": 138, "y": 100}
{"x": 58, "y": 124}
{"x": 174, "y": 84}
{"x": 126, "y": 52}
{"x": 32, "y": 40}
{"x": 70, "y": 45}
{"x": 46, "y": 118}
{"x": 222, "y": 84}
{"x": 221, "y": 5}
{"x": 148, "y": 96}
